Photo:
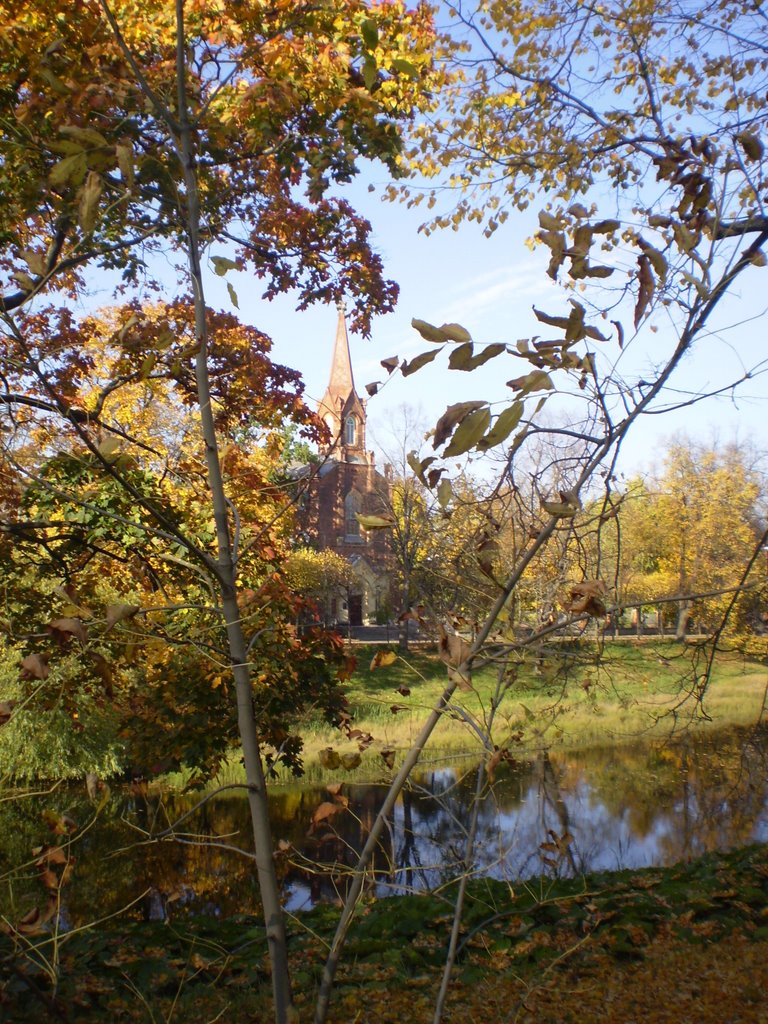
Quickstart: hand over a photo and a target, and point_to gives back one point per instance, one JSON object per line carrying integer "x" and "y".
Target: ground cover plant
{"x": 544, "y": 950}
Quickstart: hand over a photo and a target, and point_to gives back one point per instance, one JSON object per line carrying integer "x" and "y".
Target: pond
{"x": 608, "y": 808}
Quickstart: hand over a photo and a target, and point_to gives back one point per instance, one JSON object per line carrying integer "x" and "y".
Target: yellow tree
{"x": 700, "y": 527}
{"x": 319, "y": 577}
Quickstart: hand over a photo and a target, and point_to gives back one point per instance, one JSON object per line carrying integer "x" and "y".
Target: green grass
{"x": 203, "y": 969}
{"x": 577, "y": 695}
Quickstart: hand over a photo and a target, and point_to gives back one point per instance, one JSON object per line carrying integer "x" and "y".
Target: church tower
{"x": 346, "y": 485}
{"x": 340, "y": 408}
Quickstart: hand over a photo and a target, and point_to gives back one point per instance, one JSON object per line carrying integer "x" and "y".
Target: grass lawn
{"x": 576, "y": 695}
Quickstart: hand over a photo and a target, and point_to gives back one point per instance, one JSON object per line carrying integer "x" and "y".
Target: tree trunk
{"x": 684, "y": 611}
{"x": 227, "y": 576}
{"x": 403, "y": 624}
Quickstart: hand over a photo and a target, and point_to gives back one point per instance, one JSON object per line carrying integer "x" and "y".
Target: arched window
{"x": 350, "y": 430}
{"x": 351, "y": 507}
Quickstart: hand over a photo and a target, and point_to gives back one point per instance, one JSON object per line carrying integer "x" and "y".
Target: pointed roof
{"x": 341, "y": 383}
{"x": 341, "y": 402}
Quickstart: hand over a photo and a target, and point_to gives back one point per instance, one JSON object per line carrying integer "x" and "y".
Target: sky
{"x": 489, "y": 285}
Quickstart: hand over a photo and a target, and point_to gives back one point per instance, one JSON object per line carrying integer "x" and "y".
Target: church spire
{"x": 340, "y": 407}
{"x": 341, "y": 383}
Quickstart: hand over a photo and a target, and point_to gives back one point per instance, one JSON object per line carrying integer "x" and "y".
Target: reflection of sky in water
{"x": 678, "y": 821}
{"x": 626, "y": 807}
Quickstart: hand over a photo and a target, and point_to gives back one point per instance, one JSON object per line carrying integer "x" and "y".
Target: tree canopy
{"x": 284, "y": 101}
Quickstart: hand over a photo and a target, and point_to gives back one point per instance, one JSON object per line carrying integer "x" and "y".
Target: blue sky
{"x": 490, "y": 285}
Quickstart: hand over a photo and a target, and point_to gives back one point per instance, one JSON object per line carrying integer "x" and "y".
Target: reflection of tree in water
{"x": 626, "y": 807}
{"x": 677, "y": 800}
{"x": 552, "y": 799}
{"x": 722, "y": 794}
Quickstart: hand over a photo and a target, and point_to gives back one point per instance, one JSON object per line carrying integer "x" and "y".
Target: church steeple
{"x": 341, "y": 384}
{"x": 340, "y": 407}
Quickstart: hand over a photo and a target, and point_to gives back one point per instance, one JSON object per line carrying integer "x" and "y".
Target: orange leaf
{"x": 324, "y": 811}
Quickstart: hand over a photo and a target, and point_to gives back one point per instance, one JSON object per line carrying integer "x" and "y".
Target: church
{"x": 344, "y": 484}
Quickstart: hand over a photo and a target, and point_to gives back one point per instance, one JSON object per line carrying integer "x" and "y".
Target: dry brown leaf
{"x": 586, "y": 598}
{"x": 120, "y": 612}
{"x": 50, "y": 855}
{"x": 35, "y": 919}
{"x": 34, "y": 666}
{"x": 493, "y": 763}
{"x": 452, "y": 416}
{"x": 324, "y": 811}
{"x": 49, "y": 879}
{"x": 451, "y": 648}
{"x": 647, "y": 286}
{"x": 462, "y": 679}
{"x": 104, "y": 671}
{"x": 63, "y": 629}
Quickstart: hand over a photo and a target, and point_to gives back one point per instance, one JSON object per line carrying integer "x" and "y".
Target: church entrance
{"x": 355, "y": 609}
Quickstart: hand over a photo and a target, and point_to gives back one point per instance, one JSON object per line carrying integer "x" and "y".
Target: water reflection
{"x": 613, "y": 808}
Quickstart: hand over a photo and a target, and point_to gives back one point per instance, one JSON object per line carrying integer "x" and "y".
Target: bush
{"x": 59, "y": 728}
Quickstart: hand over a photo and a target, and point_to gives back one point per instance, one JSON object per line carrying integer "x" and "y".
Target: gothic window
{"x": 350, "y": 428}
{"x": 351, "y": 507}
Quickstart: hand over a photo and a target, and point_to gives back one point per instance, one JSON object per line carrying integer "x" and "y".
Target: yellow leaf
{"x": 505, "y": 423}
{"x": 751, "y": 144}
{"x": 89, "y": 202}
{"x": 468, "y": 433}
{"x": 329, "y": 758}
{"x": 385, "y": 522}
{"x": 383, "y": 658}
{"x": 559, "y": 509}
{"x": 71, "y": 168}
{"x": 418, "y": 361}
